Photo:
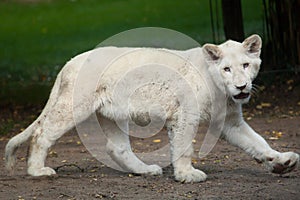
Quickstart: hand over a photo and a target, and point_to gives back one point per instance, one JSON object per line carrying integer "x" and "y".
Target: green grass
{"x": 36, "y": 39}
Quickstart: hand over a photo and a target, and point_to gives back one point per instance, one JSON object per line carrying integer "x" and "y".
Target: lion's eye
{"x": 245, "y": 65}
{"x": 227, "y": 69}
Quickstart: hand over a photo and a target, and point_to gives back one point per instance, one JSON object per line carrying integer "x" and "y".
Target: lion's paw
{"x": 154, "y": 170}
{"x": 192, "y": 175}
{"x": 149, "y": 169}
{"x": 283, "y": 162}
{"x": 44, "y": 171}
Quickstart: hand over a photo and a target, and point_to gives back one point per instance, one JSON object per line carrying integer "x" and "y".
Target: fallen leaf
{"x": 157, "y": 141}
{"x": 279, "y": 134}
{"x": 259, "y": 107}
{"x": 194, "y": 161}
{"x": 265, "y": 105}
{"x": 53, "y": 154}
{"x": 291, "y": 81}
{"x": 267, "y": 132}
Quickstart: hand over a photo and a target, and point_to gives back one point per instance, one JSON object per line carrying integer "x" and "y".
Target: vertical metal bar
{"x": 212, "y": 21}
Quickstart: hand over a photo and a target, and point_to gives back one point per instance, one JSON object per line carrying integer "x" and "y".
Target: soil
{"x": 232, "y": 174}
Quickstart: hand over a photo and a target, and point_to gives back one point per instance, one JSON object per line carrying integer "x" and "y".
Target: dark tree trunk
{"x": 233, "y": 19}
{"x": 282, "y": 19}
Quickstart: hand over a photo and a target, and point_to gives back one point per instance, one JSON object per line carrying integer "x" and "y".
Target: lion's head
{"x": 233, "y": 66}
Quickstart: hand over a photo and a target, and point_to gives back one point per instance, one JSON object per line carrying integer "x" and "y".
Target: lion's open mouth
{"x": 241, "y": 95}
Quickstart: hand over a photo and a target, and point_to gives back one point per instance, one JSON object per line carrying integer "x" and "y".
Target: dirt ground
{"x": 231, "y": 173}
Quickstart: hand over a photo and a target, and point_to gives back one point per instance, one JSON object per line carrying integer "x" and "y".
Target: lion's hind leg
{"x": 57, "y": 122}
{"x": 38, "y": 152}
{"x": 119, "y": 148}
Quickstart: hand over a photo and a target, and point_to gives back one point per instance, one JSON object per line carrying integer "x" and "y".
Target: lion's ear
{"x": 252, "y": 45}
{"x": 212, "y": 52}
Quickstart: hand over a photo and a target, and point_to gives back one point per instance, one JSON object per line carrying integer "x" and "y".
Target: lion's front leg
{"x": 245, "y": 137}
{"x": 181, "y": 154}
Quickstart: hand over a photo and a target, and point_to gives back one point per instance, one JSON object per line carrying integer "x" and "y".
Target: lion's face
{"x": 233, "y": 66}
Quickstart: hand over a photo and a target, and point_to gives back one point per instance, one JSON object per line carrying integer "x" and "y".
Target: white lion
{"x": 222, "y": 78}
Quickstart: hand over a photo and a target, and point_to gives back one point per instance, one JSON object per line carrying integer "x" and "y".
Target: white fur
{"x": 213, "y": 82}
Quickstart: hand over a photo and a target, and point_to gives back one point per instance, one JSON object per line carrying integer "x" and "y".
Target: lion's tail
{"x": 14, "y": 143}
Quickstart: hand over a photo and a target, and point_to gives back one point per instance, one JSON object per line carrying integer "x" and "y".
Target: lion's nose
{"x": 241, "y": 87}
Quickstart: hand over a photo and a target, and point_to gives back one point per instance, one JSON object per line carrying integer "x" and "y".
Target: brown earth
{"x": 231, "y": 173}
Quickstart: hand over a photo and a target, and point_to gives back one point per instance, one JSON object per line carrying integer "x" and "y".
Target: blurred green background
{"x": 38, "y": 37}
